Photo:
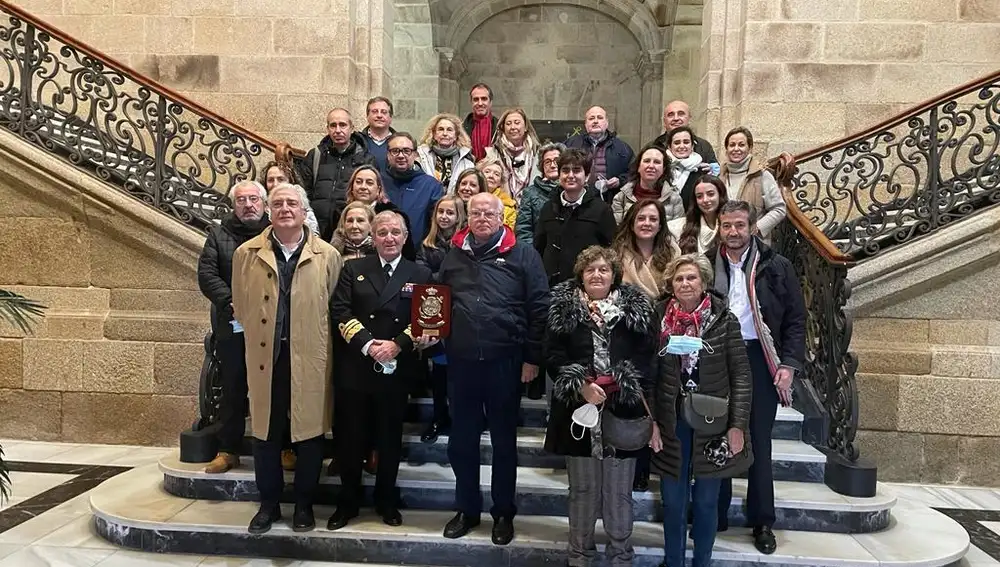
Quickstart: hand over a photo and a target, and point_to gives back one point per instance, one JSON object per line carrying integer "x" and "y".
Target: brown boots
{"x": 288, "y": 459}
{"x": 222, "y": 463}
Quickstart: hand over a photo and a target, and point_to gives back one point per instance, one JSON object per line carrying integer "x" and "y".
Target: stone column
{"x": 452, "y": 67}
{"x": 649, "y": 67}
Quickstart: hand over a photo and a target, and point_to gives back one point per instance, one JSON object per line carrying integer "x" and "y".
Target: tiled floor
{"x": 59, "y": 531}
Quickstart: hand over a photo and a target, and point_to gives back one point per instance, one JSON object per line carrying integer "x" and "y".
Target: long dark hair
{"x": 627, "y": 245}
{"x": 633, "y": 168}
{"x": 688, "y": 241}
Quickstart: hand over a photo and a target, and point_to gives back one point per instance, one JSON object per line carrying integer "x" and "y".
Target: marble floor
{"x": 47, "y": 521}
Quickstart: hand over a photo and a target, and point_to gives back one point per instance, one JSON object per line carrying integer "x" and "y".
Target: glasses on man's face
{"x": 248, "y": 199}
{"x": 285, "y": 204}
{"x": 483, "y": 214}
{"x": 400, "y": 151}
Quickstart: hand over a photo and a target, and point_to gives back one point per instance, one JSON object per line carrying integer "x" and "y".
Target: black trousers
{"x": 364, "y": 420}
{"x": 267, "y": 452}
{"x": 439, "y": 389}
{"x": 231, "y": 351}
{"x": 760, "y": 479}
{"x": 493, "y": 385}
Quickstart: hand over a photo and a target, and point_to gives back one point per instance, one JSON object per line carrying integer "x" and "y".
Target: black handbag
{"x": 705, "y": 414}
{"x": 627, "y": 434}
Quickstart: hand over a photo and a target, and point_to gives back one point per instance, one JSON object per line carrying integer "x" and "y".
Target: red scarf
{"x": 481, "y": 135}
{"x": 676, "y": 321}
{"x": 640, "y": 193}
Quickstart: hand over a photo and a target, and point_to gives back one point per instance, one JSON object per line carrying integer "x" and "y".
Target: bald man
{"x": 328, "y": 167}
{"x": 677, "y": 114}
{"x": 610, "y": 155}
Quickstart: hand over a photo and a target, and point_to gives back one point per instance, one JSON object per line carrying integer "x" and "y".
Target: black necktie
{"x": 388, "y": 270}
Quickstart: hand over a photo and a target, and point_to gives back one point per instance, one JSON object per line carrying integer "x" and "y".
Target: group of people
{"x": 638, "y": 288}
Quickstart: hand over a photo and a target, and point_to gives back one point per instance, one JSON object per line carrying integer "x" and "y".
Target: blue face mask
{"x": 387, "y": 367}
{"x": 683, "y": 344}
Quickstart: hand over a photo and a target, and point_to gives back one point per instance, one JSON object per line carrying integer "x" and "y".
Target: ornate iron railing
{"x": 822, "y": 269}
{"x": 908, "y": 176}
{"x": 118, "y": 125}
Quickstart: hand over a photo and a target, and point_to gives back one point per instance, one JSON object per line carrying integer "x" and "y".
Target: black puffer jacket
{"x": 563, "y": 232}
{"x": 725, "y": 372}
{"x": 215, "y": 266}
{"x": 433, "y": 257}
{"x": 328, "y": 191}
{"x": 569, "y": 353}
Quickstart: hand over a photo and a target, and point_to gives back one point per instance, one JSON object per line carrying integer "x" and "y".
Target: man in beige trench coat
{"x": 282, "y": 283}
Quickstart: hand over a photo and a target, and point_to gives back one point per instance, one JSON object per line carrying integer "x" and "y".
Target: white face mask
{"x": 586, "y": 416}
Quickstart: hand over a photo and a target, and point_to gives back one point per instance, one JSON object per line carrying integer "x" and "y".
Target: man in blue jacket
{"x": 414, "y": 192}
{"x": 499, "y": 304}
{"x": 610, "y": 156}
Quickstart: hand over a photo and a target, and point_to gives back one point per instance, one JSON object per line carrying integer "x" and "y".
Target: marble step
{"x": 132, "y": 510}
{"x": 787, "y": 424}
{"x": 798, "y": 505}
{"x": 790, "y": 460}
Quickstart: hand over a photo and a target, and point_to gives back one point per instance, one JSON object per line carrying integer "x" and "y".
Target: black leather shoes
{"x": 763, "y": 540}
{"x": 303, "y": 519}
{"x": 460, "y": 525}
{"x": 340, "y": 518}
{"x": 263, "y": 519}
{"x": 641, "y": 484}
{"x": 390, "y": 516}
{"x": 503, "y": 530}
{"x": 432, "y": 432}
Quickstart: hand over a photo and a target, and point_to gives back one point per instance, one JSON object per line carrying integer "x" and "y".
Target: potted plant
{"x": 21, "y": 312}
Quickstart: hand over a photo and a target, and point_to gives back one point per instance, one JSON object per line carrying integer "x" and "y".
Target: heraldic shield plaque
{"x": 430, "y": 311}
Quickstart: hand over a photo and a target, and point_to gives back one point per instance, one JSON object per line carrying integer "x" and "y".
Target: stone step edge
{"x": 933, "y": 539}
{"x": 171, "y": 467}
{"x": 923, "y": 348}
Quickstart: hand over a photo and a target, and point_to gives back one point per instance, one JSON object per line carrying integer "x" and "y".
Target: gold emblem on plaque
{"x": 430, "y": 308}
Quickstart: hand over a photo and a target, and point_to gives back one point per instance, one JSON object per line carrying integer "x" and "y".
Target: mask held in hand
{"x": 586, "y": 416}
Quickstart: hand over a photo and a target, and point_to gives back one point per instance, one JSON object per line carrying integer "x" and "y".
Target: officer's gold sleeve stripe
{"x": 350, "y": 328}
{"x": 408, "y": 332}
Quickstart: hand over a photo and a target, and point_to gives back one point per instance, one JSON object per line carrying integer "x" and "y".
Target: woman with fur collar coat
{"x": 600, "y": 347}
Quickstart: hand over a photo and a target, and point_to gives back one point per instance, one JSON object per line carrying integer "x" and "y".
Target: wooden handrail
{"x": 134, "y": 75}
{"x": 900, "y": 118}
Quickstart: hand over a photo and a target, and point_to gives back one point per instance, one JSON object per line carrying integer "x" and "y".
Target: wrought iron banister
{"x": 119, "y": 125}
{"x": 907, "y": 176}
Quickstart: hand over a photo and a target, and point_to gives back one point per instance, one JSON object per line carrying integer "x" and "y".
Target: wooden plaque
{"x": 430, "y": 311}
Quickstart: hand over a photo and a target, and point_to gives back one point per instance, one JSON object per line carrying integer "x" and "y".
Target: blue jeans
{"x": 676, "y": 495}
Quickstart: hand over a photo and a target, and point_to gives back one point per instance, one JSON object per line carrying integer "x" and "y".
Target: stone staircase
{"x": 176, "y": 507}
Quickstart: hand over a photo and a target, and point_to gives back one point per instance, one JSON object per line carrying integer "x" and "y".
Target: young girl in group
{"x": 449, "y": 218}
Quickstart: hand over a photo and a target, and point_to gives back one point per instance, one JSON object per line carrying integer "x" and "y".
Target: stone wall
{"x": 801, "y": 73}
{"x": 272, "y": 66}
{"x": 117, "y": 357}
{"x": 556, "y": 62}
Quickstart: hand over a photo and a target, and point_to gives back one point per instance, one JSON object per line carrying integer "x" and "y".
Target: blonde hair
{"x": 462, "y": 139}
{"x": 530, "y": 137}
{"x": 697, "y": 260}
{"x": 341, "y": 231}
{"x": 381, "y": 198}
{"x": 487, "y": 161}
{"x": 431, "y": 240}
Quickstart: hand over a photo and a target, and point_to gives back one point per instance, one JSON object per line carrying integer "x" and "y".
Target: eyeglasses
{"x": 483, "y": 214}
{"x": 400, "y": 151}
{"x": 551, "y": 161}
{"x": 248, "y": 199}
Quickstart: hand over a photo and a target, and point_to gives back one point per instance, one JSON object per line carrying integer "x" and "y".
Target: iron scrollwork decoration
{"x": 908, "y": 177}
{"x": 829, "y": 366}
{"x": 142, "y": 140}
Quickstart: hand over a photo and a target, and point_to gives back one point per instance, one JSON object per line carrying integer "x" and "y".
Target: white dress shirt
{"x": 287, "y": 251}
{"x": 576, "y": 203}
{"x": 739, "y": 300}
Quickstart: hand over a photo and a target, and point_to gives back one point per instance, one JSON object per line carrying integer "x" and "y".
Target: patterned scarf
{"x": 676, "y": 321}
{"x": 520, "y": 168}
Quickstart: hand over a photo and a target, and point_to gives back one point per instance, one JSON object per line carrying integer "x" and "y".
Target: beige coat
{"x": 255, "y": 305}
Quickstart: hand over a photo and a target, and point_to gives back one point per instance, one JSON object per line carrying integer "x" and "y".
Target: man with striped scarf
{"x": 764, "y": 294}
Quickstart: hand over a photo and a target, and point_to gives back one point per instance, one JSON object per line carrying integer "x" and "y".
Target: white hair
{"x": 389, "y": 216}
{"x": 496, "y": 202}
{"x": 299, "y": 191}
{"x": 248, "y": 183}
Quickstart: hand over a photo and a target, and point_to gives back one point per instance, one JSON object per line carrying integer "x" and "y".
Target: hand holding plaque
{"x": 430, "y": 311}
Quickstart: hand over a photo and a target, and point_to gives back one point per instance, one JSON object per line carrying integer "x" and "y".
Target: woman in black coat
{"x": 600, "y": 343}
{"x": 713, "y": 364}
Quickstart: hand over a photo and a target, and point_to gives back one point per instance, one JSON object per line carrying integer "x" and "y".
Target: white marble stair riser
{"x": 133, "y": 511}
{"x": 800, "y": 506}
